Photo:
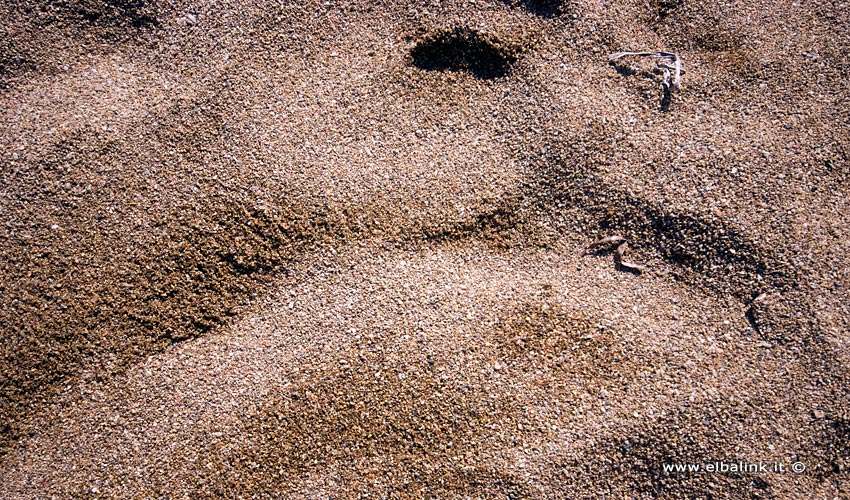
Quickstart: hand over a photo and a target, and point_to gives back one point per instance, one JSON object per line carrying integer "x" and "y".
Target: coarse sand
{"x": 330, "y": 249}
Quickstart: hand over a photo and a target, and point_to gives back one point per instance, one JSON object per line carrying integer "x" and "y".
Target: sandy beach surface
{"x": 332, "y": 249}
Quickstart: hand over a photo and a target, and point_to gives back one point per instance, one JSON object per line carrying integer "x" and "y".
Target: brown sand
{"x": 334, "y": 249}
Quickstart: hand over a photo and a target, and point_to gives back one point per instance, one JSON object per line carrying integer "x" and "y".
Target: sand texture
{"x": 331, "y": 249}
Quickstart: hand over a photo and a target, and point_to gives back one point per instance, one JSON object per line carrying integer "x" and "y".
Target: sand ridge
{"x": 486, "y": 367}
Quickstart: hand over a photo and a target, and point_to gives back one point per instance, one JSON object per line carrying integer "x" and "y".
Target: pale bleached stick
{"x": 620, "y": 258}
{"x": 608, "y": 241}
{"x": 662, "y": 57}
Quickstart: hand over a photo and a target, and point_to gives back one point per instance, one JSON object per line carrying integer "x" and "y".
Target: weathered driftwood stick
{"x": 620, "y": 259}
{"x": 622, "y": 246}
{"x": 608, "y": 241}
{"x": 664, "y": 61}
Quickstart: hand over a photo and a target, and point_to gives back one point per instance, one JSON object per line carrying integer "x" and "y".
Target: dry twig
{"x": 608, "y": 241}
{"x": 619, "y": 255}
{"x": 631, "y": 266}
{"x": 668, "y": 61}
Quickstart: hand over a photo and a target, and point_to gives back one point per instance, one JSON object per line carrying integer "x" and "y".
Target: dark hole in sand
{"x": 116, "y": 13}
{"x": 463, "y": 50}
{"x": 665, "y": 8}
{"x": 545, "y": 8}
